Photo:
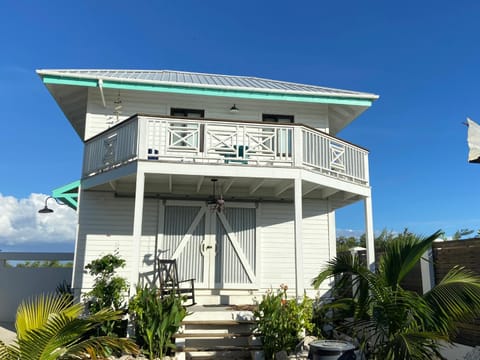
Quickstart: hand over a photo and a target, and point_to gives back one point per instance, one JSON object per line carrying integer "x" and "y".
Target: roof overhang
{"x": 71, "y": 93}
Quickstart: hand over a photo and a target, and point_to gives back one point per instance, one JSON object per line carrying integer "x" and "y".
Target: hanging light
{"x": 46, "y": 209}
{"x": 234, "y": 109}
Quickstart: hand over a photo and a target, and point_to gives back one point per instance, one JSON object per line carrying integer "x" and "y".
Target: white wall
{"x": 17, "y": 284}
{"x": 150, "y": 103}
{"x": 278, "y": 247}
{"x": 106, "y": 226}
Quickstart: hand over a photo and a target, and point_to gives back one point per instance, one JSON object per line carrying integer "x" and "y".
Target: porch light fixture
{"x": 46, "y": 209}
{"x": 234, "y": 109}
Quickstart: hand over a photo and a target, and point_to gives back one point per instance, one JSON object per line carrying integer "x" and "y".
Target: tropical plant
{"x": 108, "y": 291}
{"x": 281, "y": 321}
{"x": 156, "y": 320}
{"x": 50, "y": 327}
{"x": 394, "y": 323}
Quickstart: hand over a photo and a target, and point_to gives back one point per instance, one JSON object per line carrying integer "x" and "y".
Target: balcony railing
{"x": 226, "y": 143}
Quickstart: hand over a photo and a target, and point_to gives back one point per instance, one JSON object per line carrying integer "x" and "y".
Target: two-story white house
{"x": 237, "y": 178}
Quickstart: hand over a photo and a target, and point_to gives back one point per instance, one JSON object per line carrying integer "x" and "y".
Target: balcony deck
{"x": 226, "y": 143}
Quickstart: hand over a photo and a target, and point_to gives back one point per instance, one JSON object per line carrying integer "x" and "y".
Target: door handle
{"x": 209, "y": 246}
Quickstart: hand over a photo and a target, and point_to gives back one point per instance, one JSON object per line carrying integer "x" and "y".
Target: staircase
{"x": 217, "y": 332}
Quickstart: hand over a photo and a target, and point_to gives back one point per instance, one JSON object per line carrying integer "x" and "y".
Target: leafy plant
{"x": 50, "y": 327}
{"x": 281, "y": 322}
{"x": 391, "y": 322}
{"x": 156, "y": 320}
{"x": 108, "y": 290}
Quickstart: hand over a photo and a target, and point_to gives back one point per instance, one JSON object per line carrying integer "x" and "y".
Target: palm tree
{"x": 389, "y": 321}
{"x": 50, "y": 327}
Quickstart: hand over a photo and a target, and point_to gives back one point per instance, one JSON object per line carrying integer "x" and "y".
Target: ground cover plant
{"x": 50, "y": 327}
{"x": 391, "y": 322}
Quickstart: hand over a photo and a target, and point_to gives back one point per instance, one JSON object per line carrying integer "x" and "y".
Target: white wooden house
{"x": 155, "y": 140}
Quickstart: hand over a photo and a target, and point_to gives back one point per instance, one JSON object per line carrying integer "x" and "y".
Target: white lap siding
{"x": 278, "y": 246}
{"x": 106, "y": 227}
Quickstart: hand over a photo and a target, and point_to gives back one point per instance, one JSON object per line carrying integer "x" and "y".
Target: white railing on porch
{"x": 227, "y": 143}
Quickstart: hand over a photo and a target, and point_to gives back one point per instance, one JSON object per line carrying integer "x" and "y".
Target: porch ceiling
{"x": 231, "y": 188}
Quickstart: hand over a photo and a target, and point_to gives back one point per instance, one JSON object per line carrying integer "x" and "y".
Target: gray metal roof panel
{"x": 206, "y": 80}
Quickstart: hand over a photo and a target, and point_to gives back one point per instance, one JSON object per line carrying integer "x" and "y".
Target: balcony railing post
{"x": 365, "y": 164}
{"x": 141, "y": 138}
{"x": 297, "y": 146}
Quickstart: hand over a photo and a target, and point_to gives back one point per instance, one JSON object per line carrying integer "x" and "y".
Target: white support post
{"x": 297, "y": 146}
{"x": 137, "y": 230}
{"x": 369, "y": 234}
{"x": 427, "y": 270}
{"x": 299, "y": 287}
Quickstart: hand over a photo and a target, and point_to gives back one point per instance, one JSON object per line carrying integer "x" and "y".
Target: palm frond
{"x": 34, "y": 313}
{"x": 401, "y": 255}
{"x": 455, "y": 298}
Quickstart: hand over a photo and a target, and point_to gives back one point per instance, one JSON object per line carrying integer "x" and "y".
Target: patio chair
{"x": 167, "y": 273}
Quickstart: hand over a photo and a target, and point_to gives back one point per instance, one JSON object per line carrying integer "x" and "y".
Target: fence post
{"x": 427, "y": 270}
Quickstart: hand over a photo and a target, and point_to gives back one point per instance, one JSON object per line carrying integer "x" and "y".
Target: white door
{"x": 218, "y": 250}
{"x": 236, "y": 248}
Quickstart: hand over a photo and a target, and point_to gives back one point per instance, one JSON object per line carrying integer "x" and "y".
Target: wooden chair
{"x": 170, "y": 284}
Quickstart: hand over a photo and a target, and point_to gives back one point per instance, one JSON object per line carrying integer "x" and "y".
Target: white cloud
{"x": 21, "y": 223}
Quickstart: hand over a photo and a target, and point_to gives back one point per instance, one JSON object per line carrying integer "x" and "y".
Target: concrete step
{"x": 216, "y": 332}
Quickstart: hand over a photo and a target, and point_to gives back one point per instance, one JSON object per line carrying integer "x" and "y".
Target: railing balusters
{"x": 204, "y": 141}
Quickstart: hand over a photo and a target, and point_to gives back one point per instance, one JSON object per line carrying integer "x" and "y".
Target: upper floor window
{"x": 283, "y": 119}
{"x": 187, "y": 113}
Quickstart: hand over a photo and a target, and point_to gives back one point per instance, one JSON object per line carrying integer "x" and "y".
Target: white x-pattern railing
{"x": 224, "y": 142}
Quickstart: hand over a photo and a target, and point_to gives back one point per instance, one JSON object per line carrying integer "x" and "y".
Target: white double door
{"x": 217, "y": 249}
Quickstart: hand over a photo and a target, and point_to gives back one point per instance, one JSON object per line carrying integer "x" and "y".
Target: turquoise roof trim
{"x": 68, "y": 194}
{"x": 192, "y": 90}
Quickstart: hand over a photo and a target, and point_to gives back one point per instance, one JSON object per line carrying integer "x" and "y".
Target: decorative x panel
{"x": 109, "y": 146}
{"x": 337, "y": 152}
{"x": 261, "y": 142}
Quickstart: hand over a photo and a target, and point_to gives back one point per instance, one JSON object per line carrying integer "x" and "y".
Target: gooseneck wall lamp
{"x": 46, "y": 209}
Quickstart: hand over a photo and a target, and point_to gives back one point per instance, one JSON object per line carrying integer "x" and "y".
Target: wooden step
{"x": 212, "y": 335}
{"x": 220, "y": 348}
{"x": 217, "y": 322}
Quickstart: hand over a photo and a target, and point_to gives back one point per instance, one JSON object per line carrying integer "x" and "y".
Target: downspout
{"x": 100, "y": 86}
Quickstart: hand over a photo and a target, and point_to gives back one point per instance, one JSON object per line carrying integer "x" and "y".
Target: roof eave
{"x": 60, "y": 74}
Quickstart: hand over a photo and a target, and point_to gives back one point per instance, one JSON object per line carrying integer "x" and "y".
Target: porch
{"x": 259, "y": 167}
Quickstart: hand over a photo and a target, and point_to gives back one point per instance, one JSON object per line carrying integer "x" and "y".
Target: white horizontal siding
{"x": 100, "y": 118}
{"x": 316, "y": 247}
{"x": 278, "y": 247}
{"x": 106, "y": 227}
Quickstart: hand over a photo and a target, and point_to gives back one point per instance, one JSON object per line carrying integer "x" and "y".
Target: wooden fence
{"x": 447, "y": 254}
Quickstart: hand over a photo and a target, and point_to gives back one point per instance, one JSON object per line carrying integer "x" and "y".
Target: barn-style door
{"x": 235, "y": 259}
{"x": 217, "y": 249}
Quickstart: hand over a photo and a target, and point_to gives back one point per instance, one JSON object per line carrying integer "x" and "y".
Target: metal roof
{"x": 213, "y": 81}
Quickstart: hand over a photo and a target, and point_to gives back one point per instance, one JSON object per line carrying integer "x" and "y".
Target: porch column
{"x": 137, "y": 230}
{"x": 369, "y": 235}
{"x": 299, "y": 289}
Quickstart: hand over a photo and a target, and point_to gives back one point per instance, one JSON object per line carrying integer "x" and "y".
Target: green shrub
{"x": 108, "y": 291}
{"x": 156, "y": 321}
{"x": 281, "y": 322}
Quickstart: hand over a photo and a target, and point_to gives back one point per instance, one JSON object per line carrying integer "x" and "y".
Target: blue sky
{"x": 422, "y": 58}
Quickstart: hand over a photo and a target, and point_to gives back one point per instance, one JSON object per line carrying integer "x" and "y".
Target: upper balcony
{"x": 227, "y": 143}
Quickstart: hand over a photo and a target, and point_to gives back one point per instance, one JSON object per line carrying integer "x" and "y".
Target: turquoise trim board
{"x": 242, "y": 94}
{"x": 68, "y": 194}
